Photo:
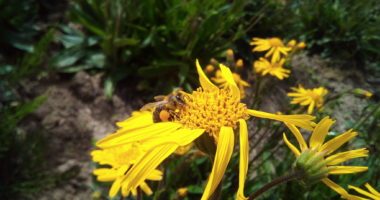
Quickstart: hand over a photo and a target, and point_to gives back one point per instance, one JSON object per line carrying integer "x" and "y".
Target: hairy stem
{"x": 278, "y": 181}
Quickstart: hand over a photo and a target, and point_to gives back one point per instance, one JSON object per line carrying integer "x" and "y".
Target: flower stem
{"x": 256, "y": 93}
{"x": 278, "y": 181}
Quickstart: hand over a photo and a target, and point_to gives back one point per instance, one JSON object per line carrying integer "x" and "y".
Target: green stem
{"x": 361, "y": 121}
{"x": 256, "y": 93}
{"x": 278, "y": 181}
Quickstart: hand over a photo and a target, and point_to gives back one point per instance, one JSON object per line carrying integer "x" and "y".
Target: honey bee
{"x": 165, "y": 107}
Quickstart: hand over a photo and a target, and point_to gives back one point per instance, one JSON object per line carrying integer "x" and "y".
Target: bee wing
{"x": 159, "y": 97}
{"x": 148, "y": 106}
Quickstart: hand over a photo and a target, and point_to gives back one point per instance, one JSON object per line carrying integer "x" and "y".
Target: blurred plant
{"x": 273, "y": 46}
{"x": 21, "y": 153}
{"x": 279, "y": 55}
{"x": 150, "y": 37}
{"x": 17, "y": 24}
{"x": 345, "y": 28}
{"x": 339, "y": 29}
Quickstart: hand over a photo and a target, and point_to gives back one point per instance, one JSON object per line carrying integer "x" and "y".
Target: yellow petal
{"x": 275, "y": 56}
{"x": 335, "y": 187}
{"x": 346, "y": 169}
{"x": 204, "y": 81}
{"x": 320, "y": 132}
{"x": 144, "y": 187}
{"x": 291, "y": 146}
{"x": 262, "y": 48}
{"x": 344, "y": 156}
{"x": 298, "y": 135}
{"x": 181, "y": 137}
{"x": 227, "y": 74}
{"x": 138, "y": 119}
{"x": 338, "y": 141}
{"x": 115, "y": 187}
{"x": 269, "y": 53}
{"x": 146, "y": 165}
{"x": 372, "y": 190}
{"x": 243, "y": 162}
{"x": 311, "y": 108}
{"x": 106, "y": 174}
{"x": 303, "y": 121}
{"x": 156, "y": 175}
{"x": 363, "y": 192}
{"x": 223, "y": 155}
{"x": 149, "y": 132}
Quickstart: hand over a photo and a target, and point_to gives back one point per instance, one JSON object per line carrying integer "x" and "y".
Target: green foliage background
{"x": 153, "y": 44}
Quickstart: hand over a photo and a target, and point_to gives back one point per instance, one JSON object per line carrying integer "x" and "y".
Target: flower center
{"x": 276, "y": 65}
{"x": 211, "y": 110}
{"x": 275, "y": 42}
{"x": 316, "y": 97}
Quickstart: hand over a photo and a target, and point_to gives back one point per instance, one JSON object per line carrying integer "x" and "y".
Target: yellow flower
{"x": 264, "y": 67}
{"x": 219, "y": 79}
{"x": 371, "y": 193}
{"x": 274, "y": 46}
{"x": 120, "y": 159}
{"x": 311, "y": 97}
{"x": 210, "y": 117}
{"x": 317, "y": 160}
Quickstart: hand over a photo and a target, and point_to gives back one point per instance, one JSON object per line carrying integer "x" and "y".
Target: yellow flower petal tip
{"x": 370, "y": 193}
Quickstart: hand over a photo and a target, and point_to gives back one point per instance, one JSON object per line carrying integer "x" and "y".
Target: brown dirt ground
{"x": 75, "y": 114}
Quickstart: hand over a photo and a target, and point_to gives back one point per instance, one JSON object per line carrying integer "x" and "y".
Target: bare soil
{"x": 75, "y": 115}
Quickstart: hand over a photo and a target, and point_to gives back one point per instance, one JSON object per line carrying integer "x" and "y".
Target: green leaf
{"x": 67, "y": 58}
{"x": 195, "y": 189}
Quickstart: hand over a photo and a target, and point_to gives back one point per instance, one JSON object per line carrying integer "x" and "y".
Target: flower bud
{"x": 239, "y": 64}
{"x": 214, "y": 62}
{"x": 301, "y": 45}
{"x": 182, "y": 192}
{"x": 230, "y": 55}
{"x": 361, "y": 92}
{"x": 291, "y": 43}
{"x": 312, "y": 165}
{"x": 209, "y": 68}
